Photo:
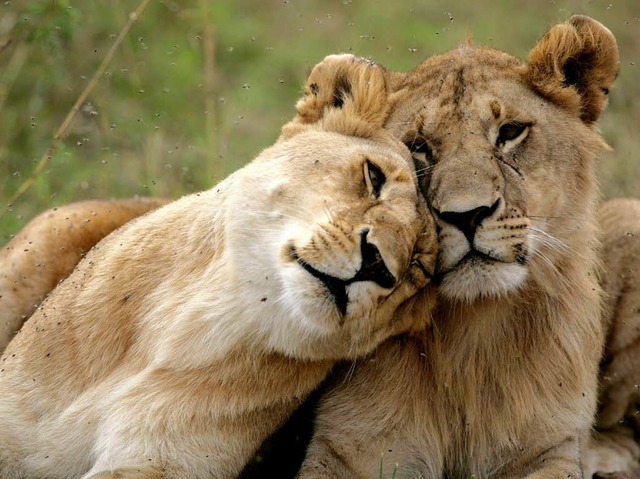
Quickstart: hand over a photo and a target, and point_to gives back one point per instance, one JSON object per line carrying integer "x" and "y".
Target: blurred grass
{"x": 199, "y": 87}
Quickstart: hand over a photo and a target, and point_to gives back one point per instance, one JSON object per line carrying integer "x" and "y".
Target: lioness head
{"x": 352, "y": 238}
{"x": 505, "y": 151}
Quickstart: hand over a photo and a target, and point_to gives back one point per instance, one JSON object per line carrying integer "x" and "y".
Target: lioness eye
{"x": 510, "y": 131}
{"x": 376, "y": 178}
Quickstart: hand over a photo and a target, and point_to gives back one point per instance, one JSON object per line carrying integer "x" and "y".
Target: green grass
{"x": 393, "y": 472}
{"x": 151, "y": 127}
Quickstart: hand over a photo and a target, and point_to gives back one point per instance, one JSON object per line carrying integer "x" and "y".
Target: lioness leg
{"x": 365, "y": 423}
{"x": 612, "y": 451}
{"x": 559, "y": 460}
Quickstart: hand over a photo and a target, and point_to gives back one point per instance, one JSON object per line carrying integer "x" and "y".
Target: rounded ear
{"x": 574, "y": 65}
{"x": 344, "y": 82}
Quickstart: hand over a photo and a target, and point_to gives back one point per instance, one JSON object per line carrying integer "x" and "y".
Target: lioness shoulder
{"x": 49, "y": 247}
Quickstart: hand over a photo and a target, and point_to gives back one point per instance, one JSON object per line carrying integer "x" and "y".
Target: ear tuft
{"x": 574, "y": 65}
{"x": 344, "y": 82}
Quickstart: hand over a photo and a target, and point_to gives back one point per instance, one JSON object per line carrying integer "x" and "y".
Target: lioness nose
{"x": 373, "y": 267}
{"x": 468, "y": 221}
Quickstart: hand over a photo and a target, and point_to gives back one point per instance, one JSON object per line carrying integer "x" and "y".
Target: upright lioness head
{"x": 506, "y": 149}
{"x": 510, "y": 147}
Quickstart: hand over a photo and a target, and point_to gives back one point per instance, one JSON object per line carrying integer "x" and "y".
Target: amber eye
{"x": 374, "y": 178}
{"x": 511, "y": 131}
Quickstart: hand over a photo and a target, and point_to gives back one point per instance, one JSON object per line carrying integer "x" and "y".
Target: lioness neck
{"x": 491, "y": 353}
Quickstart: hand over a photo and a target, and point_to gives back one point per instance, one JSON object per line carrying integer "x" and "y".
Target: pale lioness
{"x": 187, "y": 336}
{"x": 504, "y": 384}
{"x": 49, "y": 247}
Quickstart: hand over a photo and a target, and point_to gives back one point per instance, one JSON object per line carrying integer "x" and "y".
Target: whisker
{"x": 553, "y": 242}
{"x": 399, "y": 123}
{"x": 550, "y": 239}
{"x": 425, "y": 169}
{"x": 562, "y": 280}
{"x": 558, "y": 217}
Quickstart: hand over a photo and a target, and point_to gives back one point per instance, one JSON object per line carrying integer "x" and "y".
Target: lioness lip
{"x": 373, "y": 268}
{"x": 337, "y": 287}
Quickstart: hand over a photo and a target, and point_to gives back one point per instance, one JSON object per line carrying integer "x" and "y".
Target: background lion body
{"x": 49, "y": 248}
{"x": 618, "y": 421}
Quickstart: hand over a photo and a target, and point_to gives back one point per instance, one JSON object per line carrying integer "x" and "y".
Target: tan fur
{"x": 504, "y": 384}
{"x": 185, "y": 338}
{"x": 615, "y": 447}
{"x": 618, "y": 421}
{"x": 49, "y": 247}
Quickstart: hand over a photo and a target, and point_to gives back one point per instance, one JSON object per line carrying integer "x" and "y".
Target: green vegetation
{"x": 199, "y": 87}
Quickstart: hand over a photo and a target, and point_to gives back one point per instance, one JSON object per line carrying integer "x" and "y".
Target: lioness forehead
{"x": 454, "y": 79}
{"x": 463, "y": 66}
{"x": 352, "y": 149}
{"x": 457, "y": 86}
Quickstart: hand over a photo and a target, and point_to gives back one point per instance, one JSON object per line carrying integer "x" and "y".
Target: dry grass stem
{"x": 63, "y": 129}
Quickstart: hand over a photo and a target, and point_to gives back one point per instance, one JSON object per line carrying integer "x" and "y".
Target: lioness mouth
{"x": 474, "y": 258}
{"x": 336, "y": 286}
{"x": 372, "y": 268}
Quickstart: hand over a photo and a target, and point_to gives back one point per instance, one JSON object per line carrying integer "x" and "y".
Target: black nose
{"x": 468, "y": 221}
{"x": 372, "y": 267}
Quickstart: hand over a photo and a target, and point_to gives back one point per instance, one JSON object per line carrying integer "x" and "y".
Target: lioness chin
{"x": 187, "y": 336}
{"x": 504, "y": 384}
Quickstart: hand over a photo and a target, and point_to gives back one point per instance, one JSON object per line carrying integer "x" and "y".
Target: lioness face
{"x": 342, "y": 229}
{"x": 502, "y": 193}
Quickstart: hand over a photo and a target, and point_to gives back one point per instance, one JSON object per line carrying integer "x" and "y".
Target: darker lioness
{"x": 504, "y": 385}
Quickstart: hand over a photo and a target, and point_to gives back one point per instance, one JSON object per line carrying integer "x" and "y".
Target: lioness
{"x": 504, "y": 383}
{"x": 49, "y": 247}
{"x": 190, "y": 334}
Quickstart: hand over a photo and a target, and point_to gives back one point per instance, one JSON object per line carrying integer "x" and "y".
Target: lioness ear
{"x": 574, "y": 65}
{"x": 345, "y": 82}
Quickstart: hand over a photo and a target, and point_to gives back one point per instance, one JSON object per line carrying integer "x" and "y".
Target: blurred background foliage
{"x": 199, "y": 87}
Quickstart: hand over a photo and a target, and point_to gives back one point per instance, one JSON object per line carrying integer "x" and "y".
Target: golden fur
{"x": 504, "y": 383}
{"x": 182, "y": 340}
{"x": 615, "y": 447}
{"x": 49, "y": 247}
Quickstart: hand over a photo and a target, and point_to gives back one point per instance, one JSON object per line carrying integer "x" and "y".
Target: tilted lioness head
{"x": 347, "y": 227}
